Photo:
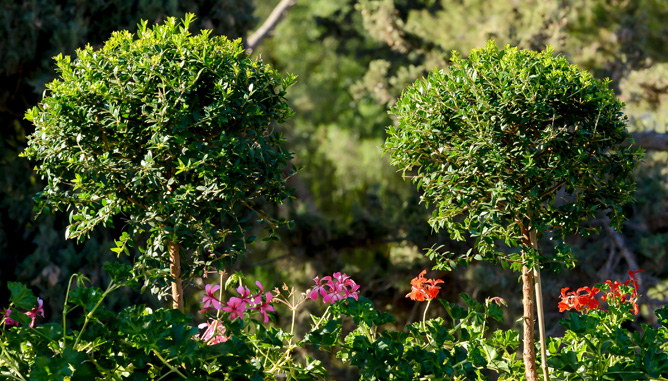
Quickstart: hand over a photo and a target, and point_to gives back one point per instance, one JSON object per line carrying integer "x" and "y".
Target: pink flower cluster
{"x": 236, "y": 306}
{"x": 331, "y": 288}
{"x": 334, "y": 288}
{"x": 32, "y": 314}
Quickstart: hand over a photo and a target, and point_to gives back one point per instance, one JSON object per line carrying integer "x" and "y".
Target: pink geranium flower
{"x": 319, "y": 288}
{"x": 337, "y": 287}
{"x": 210, "y": 298}
{"x": 35, "y": 311}
{"x": 214, "y": 334}
{"x": 264, "y": 307}
{"x": 236, "y": 307}
{"x": 7, "y": 320}
{"x": 244, "y": 293}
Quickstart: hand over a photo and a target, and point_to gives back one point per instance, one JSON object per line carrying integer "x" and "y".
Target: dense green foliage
{"x": 136, "y": 343}
{"x": 141, "y": 343}
{"x": 510, "y": 139}
{"x": 172, "y": 131}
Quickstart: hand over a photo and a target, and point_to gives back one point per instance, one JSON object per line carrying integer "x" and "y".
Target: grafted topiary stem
{"x": 539, "y": 308}
{"x": 175, "y": 272}
{"x": 529, "y": 354}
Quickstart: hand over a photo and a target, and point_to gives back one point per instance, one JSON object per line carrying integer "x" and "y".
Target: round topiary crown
{"x": 512, "y": 138}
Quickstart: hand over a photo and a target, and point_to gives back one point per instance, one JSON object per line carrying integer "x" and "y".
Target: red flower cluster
{"x": 423, "y": 289}
{"x": 584, "y": 299}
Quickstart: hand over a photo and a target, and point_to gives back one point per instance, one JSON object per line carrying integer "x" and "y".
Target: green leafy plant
{"x": 173, "y": 132}
{"x": 509, "y": 145}
{"x": 141, "y": 343}
{"x": 352, "y": 329}
{"x": 597, "y": 344}
{"x": 135, "y": 343}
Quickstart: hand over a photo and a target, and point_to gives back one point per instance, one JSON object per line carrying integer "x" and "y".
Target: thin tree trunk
{"x": 175, "y": 272}
{"x": 529, "y": 354}
{"x": 539, "y": 306}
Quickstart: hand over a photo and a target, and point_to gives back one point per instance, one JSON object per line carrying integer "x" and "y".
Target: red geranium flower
{"x": 584, "y": 299}
{"x": 423, "y": 289}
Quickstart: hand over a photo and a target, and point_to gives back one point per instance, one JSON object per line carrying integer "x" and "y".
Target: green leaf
{"x": 566, "y": 361}
{"x": 121, "y": 273}
{"x": 362, "y": 310}
{"x": 580, "y": 324}
{"x": 326, "y": 335}
{"x": 50, "y": 368}
{"x": 20, "y": 317}
{"x": 662, "y": 315}
{"x": 21, "y": 297}
{"x": 86, "y": 297}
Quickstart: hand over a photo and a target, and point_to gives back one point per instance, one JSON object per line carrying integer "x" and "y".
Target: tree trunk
{"x": 529, "y": 353}
{"x": 539, "y": 307}
{"x": 175, "y": 272}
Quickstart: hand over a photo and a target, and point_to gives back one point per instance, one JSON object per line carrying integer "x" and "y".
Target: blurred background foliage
{"x": 352, "y": 211}
{"x": 354, "y": 58}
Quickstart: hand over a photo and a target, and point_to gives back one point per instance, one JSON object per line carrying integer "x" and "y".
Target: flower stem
{"x": 322, "y": 317}
{"x": 173, "y": 369}
{"x": 220, "y": 293}
{"x": 282, "y": 360}
{"x": 65, "y": 311}
{"x": 424, "y": 315}
{"x": 293, "y": 307}
{"x": 285, "y": 357}
{"x": 89, "y": 315}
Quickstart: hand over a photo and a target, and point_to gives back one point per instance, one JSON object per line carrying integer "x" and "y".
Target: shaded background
{"x": 353, "y": 212}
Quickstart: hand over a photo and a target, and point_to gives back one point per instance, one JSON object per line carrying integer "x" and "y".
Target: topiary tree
{"x": 173, "y": 132}
{"x": 509, "y": 145}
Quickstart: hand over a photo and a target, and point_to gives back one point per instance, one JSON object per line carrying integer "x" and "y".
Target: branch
{"x": 619, "y": 241}
{"x": 269, "y": 24}
{"x": 651, "y": 140}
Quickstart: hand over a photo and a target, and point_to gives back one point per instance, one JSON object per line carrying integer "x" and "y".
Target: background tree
{"x": 509, "y": 145}
{"x": 172, "y": 131}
